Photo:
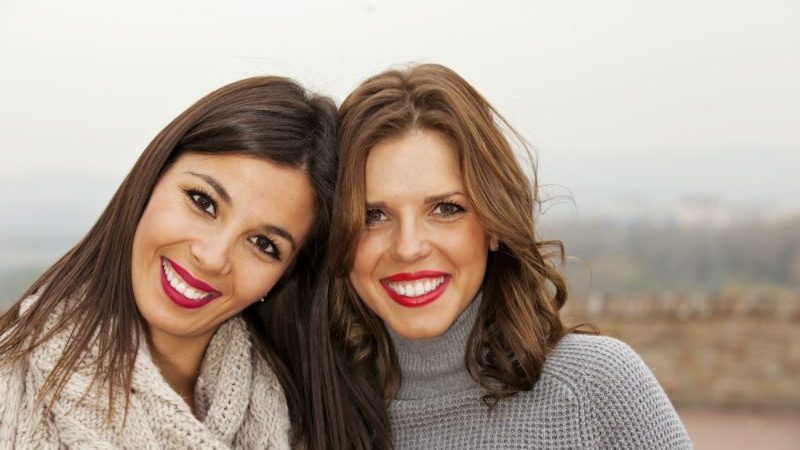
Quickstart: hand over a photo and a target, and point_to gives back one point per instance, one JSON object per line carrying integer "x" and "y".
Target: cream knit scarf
{"x": 238, "y": 400}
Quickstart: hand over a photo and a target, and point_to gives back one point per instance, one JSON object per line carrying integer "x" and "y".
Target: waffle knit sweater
{"x": 239, "y": 403}
{"x": 594, "y": 393}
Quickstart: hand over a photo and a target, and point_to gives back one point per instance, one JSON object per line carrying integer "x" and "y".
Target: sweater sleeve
{"x": 627, "y": 407}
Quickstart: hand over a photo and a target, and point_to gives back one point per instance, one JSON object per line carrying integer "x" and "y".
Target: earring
{"x": 494, "y": 244}
{"x": 262, "y": 299}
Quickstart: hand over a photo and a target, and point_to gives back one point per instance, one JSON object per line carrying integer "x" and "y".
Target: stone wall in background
{"x": 734, "y": 348}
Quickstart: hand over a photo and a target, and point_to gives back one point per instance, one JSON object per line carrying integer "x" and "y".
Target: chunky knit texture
{"x": 594, "y": 393}
{"x": 238, "y": 400}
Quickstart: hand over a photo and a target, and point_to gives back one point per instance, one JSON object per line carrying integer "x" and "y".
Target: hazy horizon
{"x": 624, "y": 102}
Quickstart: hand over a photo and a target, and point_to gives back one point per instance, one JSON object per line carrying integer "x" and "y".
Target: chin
{"x": 421, "y": 331}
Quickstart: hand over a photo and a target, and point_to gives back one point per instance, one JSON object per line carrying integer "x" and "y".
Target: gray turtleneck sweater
{"x": 594, "y": 393}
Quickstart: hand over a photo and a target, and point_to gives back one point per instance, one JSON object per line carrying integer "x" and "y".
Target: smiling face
{"x": 422, "y": 258}
{"x": 218, "y": 232}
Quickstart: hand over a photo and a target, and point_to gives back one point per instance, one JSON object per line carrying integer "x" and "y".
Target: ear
{"x": 494, "y": 243}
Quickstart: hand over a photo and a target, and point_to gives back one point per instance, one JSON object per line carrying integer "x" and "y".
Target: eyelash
{"x": 199, "y": 197}
{"x": 266, "y": 243}
{"x": 370, "y": 221}
{"x": 458, "y": 208}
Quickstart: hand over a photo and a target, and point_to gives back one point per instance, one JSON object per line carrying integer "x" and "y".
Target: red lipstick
{"x": 415, "y": 301}
{"x": 186, "y": 277}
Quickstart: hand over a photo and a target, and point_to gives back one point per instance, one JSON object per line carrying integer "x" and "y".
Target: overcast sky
{"x": 659, "y": 99}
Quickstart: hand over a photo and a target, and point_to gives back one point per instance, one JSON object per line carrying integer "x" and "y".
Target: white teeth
{"x": 177, "y": 283}
{"x": 416, "y": 288}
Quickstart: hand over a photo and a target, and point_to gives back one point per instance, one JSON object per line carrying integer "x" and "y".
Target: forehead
{"x": 421, "y": 162}
{"x": 261, "y": 191}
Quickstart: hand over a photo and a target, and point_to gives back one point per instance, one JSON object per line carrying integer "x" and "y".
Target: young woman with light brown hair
{"x": 180, "y": 320}
{"x": 444, "y": 300}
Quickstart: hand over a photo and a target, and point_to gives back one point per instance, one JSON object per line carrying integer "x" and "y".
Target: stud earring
{"x": 494, "y": 244}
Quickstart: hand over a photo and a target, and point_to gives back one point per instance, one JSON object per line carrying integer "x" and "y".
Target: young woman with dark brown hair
{"x": 446, "y": 302}
{"x": 179, "y": 321}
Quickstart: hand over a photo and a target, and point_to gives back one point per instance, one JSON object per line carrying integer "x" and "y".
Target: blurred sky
{"x": 655, "y": 100}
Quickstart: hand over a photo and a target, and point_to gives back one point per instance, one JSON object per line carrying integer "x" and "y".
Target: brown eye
{"x": 374, "y": 216}
{"x": 266, "y": 246}
{"x": 447, "y": 209}
{"x": 203, "y": 202}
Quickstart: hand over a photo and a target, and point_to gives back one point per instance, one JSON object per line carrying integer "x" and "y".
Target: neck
{"x": 179, "y": 360}
{"x": 435, "y": 367}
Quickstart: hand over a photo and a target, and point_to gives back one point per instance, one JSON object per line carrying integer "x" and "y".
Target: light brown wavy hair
{"x": 523, "y": 288}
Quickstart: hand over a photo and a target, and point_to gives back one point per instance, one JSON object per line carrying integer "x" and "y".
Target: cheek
{"x": 368, "y": 253}
{"x": 365, "y": 265}
{"x": 148, "y": 232}
{"x": 469, "y": 246}
{"x": 256, "y": 282}
{"x": 163, "y": 220}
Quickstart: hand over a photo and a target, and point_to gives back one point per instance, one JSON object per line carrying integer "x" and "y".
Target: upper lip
{"x": 411, "y": 276}
{"x": 188, "y": 278}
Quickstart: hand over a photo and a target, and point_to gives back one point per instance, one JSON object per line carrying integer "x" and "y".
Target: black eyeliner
{"x": 190, "y": 192}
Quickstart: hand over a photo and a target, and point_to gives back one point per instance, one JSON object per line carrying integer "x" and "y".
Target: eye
{"x": 447, "y": 209}
{"x": 203, "y": 202}
{"x": 374, "y": 216}
{"x": 266, "y": 246}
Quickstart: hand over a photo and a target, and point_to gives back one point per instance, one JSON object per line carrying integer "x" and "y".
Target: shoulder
{"x": 14, "y": 370}
{"x": 623, "y": 403}
{"x": 579, "y": 356}
{"x": 12, "y": 391}
{"x": 600, "y": 369}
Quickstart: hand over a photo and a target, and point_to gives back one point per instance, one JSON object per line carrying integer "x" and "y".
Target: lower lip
{"x": 180, "y": 299}
{"x": 422, "y": 300}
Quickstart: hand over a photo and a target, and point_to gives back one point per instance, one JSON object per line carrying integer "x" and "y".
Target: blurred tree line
{"x": 621, "y": 258}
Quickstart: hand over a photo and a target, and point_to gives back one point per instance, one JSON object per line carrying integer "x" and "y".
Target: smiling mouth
{"x": 182, "y": 288}
{"x": 416, "y": 289}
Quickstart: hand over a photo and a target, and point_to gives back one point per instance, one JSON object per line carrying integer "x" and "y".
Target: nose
{"x": 410, "y": 241}
{"x": 212, "y": 253}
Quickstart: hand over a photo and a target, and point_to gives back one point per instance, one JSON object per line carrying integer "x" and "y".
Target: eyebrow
{"x": 431, "y": 199}
{"x": 274, "y": 229}
{"x": 223, "y": 194}
{"x": 440, "y": 197}
{"x": 376, "y": 205}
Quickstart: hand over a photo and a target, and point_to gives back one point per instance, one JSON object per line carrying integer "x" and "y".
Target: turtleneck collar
{"x": 435, "y": 367}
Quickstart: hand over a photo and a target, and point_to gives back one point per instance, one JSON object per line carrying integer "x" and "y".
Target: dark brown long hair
{"x": 523, "y": 289}
{"x": 271, "y": 118}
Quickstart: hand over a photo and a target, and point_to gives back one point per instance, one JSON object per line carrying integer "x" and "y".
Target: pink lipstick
{"x": 414, "y": 289}
{"x": 196, "y": 293}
